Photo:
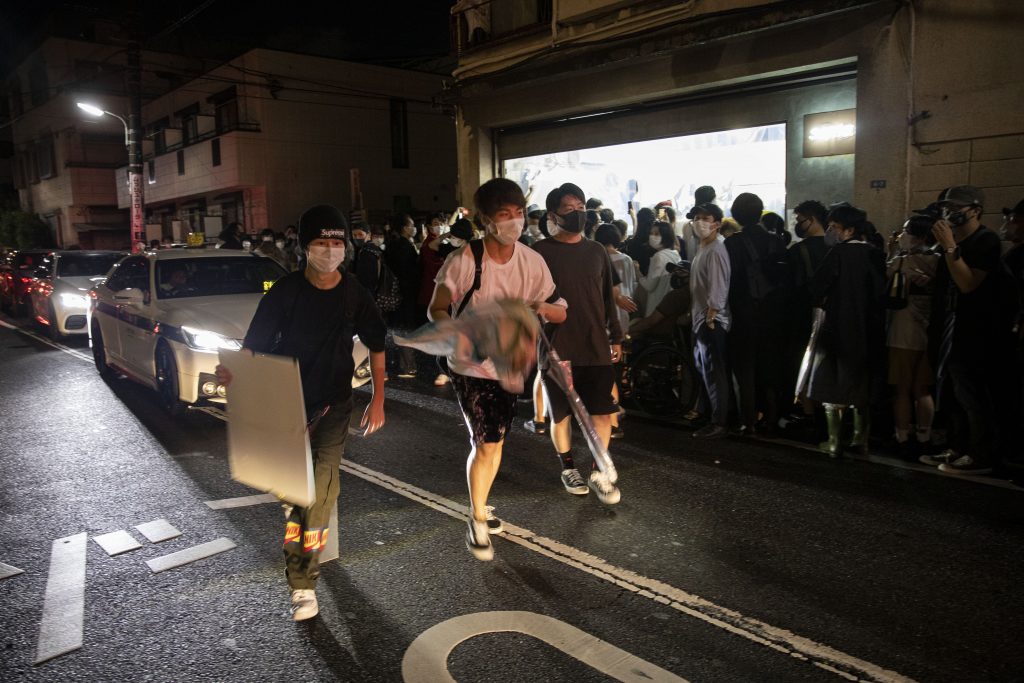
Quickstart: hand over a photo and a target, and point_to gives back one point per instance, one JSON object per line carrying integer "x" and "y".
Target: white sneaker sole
{"x": 482, "y": 553}
{"x": 576, "y": 490}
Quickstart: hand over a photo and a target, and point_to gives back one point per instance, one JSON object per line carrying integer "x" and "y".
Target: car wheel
{"x": 99, "y": 352}
{"x": 52, "y": 330}
{"x": 167, "y": 381}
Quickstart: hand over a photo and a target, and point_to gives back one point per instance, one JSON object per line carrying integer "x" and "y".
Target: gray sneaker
{"x": 948, "y": 455}
{"x": 573, "y": 482}
{"x": 494, "y": 525}
{"x": 965, "y": 464}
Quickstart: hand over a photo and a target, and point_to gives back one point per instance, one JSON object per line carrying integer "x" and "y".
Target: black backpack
{"x": 757, "y": 282}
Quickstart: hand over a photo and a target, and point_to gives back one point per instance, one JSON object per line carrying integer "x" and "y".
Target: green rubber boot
{"x": 861, "y": 431}
{"x": 834, "y": 420}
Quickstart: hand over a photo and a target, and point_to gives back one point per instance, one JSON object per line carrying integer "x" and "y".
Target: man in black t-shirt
{"x": 966, "y": 324}
{"x": 590, "y": 338}
{"x": 311, "y": 315}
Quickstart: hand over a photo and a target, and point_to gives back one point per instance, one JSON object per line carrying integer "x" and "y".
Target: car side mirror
{"x": 130, "y": 297}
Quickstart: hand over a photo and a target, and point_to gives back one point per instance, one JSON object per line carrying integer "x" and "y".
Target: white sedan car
{"x": 161, "y": 317}
{"x": 59, "y": 297}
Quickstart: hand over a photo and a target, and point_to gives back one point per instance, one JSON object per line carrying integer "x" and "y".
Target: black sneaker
{"x": 965, "y": 464}
{"x": 711, "y": 431}
{"x": 494, "y": 525}
{"x": 478, "y": 540}
{"x": 573, "y": 482}
{"x": 536, "y": 427}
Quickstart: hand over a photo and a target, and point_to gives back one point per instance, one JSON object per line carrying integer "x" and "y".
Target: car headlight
{"x": 204, "y": 340}
{"x": 69, "y": 300}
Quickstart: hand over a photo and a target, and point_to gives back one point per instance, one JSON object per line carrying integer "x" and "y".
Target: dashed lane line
{"x": 242, "y": 501}
{"x": 158, "y": 531}
{"x": 49, "y": 342}
{"x": 778, "y": 639}
{"x": 117, "y": 542}
{"x": 189, "y": 555}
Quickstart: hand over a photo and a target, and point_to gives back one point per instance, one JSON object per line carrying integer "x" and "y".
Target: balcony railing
{"x": 238, "y": 126}
{"x": 480, "y": 23}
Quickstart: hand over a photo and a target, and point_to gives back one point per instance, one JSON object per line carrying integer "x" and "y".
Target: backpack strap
{"x": 477, "y": 247}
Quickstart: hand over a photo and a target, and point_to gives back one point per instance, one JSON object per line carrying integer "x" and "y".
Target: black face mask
{"x": 358, "y": 242}
{"x": 574, "y": 221}
{"x": 957, "y": 218}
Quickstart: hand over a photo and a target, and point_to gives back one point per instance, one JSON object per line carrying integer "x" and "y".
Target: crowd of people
{"x": 830, "y": 329}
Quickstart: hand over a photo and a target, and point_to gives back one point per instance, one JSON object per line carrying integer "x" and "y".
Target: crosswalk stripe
{"x": 188, "y": 555}
{"x": 243, "y": 501}
{"x": 7, "y": 571}
{"x": 158, "y": 530}
{"x": 117, "y": 542}
{"x": 60, "y": 631}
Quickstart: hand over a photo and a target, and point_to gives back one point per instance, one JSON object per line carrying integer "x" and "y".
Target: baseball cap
{"x": 534, "y": 211}
{"x": 681, "y": 265}
{"x": 962, "y": 195}
{"x": 709, "y": 208}
{"x": 1017, "y": 210}
{"x": 322, "y": 221}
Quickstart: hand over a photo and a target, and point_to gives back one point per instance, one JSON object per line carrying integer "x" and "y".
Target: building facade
{"x": 882, "y": 103}
{"x": 270, "y": 133}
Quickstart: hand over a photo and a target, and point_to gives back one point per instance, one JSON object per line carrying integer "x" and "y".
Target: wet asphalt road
{"x": 903, "y": 573}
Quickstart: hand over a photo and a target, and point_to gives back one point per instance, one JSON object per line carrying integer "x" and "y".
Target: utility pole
{"x": 134, "y": 78}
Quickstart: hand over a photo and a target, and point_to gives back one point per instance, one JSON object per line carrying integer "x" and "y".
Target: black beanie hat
{"x": 322, "y": 221}
{"x": 554, "y": 197}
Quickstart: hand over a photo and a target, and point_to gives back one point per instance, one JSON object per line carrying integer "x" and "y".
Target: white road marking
{"x": 426, "y": 660}
{"x": 778, "y": 639}
{"x": 117, "y": 542}
{"x": 7, "y": 571}
{"x": 158, "y": 530}
{"x": 188, "y": 555}
{"x": 60, "y": 630}
{"x": 243, "y": 501}
{"x": 49, "y": 342}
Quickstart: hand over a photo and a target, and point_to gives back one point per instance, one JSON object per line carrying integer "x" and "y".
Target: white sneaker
{"x": 441, "y": 380}
{"x": 304, "y": 604}
{"x": 573, "y": 482}
{"x": 478, "y": 540}
{"x": 607, "y": 492}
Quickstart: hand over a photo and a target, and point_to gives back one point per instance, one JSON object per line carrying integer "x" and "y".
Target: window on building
{"x": 225, "y": 109}
{"x": 38, "y": 83}
{"x": 151, "y": 171}
{"x": 189, "y": 122}
{"x": 399, "y": 135}
{"x": 17, "y": 103}
{"x": 156, "y": 131}
{"x": 215, "y": 151}
{"x": 44, "y": 157}
{"x": 181, "y": 162}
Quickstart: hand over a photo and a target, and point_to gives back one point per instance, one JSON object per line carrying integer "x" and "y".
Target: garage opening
{"x": 652, "y": 171}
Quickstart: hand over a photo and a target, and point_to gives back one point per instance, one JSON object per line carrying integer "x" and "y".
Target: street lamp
{"x": 134, "y": 172}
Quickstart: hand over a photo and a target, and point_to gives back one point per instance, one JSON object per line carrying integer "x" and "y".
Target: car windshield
{"x": 181, "y": 278}
{"x": 86, "y": 265}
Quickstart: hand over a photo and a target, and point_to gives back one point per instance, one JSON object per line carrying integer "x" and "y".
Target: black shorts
{"x": 594, "y": 385}
{"x": 487, "y": 408}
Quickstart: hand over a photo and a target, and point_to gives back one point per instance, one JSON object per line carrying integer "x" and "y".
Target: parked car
{"x": 161, "y": 317}
{"x": 16, "y": 282}
{"x": 59, "y": 298}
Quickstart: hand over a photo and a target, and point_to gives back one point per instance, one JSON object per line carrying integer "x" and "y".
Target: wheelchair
{"x": 659, "y": 377}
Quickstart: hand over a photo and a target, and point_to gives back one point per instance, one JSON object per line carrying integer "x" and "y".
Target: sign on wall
{"x": 830, "y": 133}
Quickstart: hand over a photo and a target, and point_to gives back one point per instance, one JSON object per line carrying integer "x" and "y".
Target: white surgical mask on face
{"x": 508, "y": 231}
{"x": 906, "y": 242}
{"x": 456, "y": 242}
{"x": 434, "y": 229}
{"x": 246, "y": 244}
{"x": 702, "y": 228}
{"x": 655, "y": 241}
{"x": 379, "y": 241}
{"x": 279, "y": 244}
{"x": 325, "y": 259}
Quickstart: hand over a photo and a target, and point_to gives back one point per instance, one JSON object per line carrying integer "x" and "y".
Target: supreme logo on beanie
{"x": 322, "y": 222}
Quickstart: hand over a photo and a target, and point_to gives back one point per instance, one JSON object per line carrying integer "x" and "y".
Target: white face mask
{"x": 703, "y": 229}
{"x": 906, "y": 242}
{"x": 507, "y": 232}
{"x": 456, "y": 242}
{"x": 279, "y": 244}
{"x": 246, "y": 244}
{"x": 267, "y": 239}
{"x": 655, "y": 241}
{"x": 434, "y": 229}
{"x": 325, "y": 259}
{"x": 379, "y": 241}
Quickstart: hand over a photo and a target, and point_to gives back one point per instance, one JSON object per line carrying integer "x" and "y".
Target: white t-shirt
{"x": 658, "y": 281}
{"x": 525, "y": 276}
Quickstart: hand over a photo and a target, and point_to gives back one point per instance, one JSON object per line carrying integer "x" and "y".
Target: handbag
{"x": 896, "y": 290}
{"x": 389, "y": 293}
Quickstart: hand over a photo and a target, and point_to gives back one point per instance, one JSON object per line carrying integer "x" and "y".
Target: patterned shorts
{"x": 487, "y": 408}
